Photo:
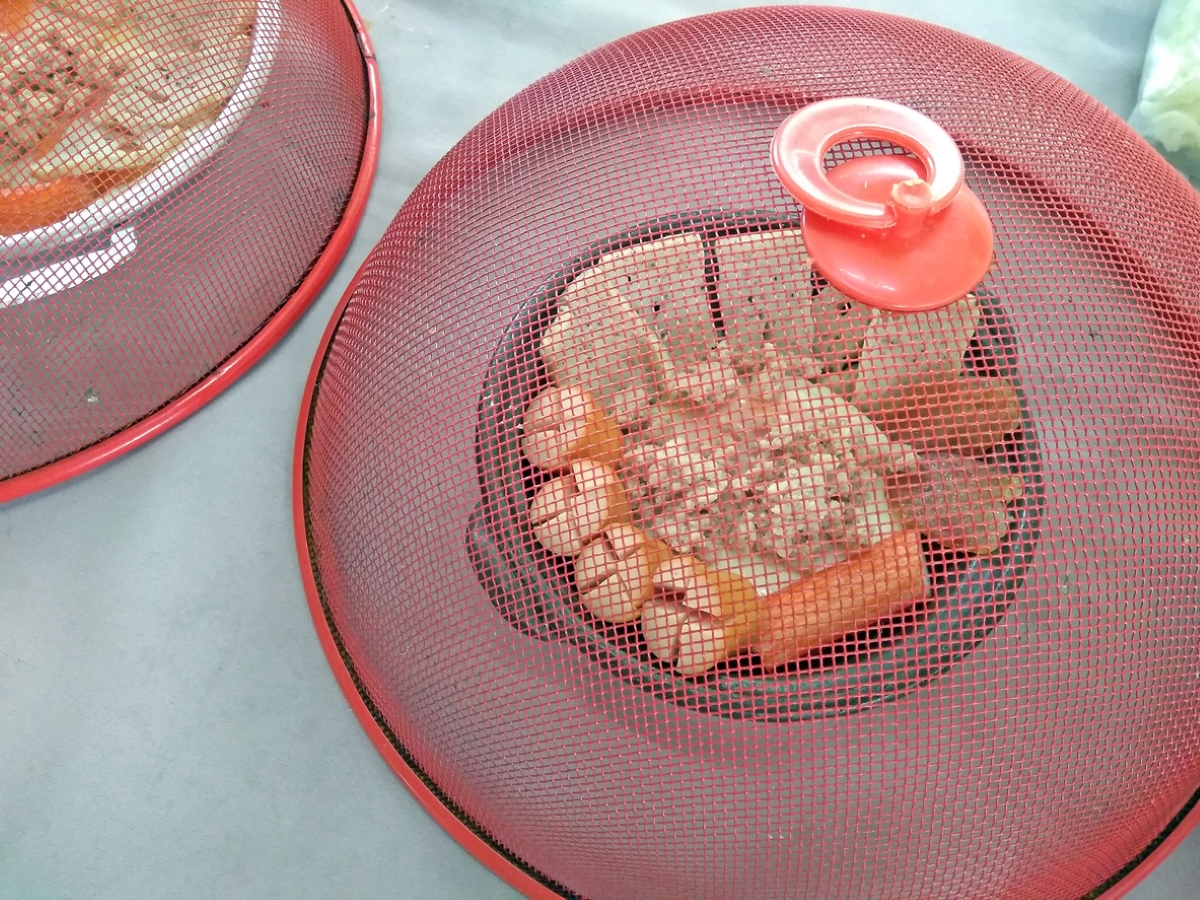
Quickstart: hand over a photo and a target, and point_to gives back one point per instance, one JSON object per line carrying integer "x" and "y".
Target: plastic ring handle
{"x": 800, "y": 145}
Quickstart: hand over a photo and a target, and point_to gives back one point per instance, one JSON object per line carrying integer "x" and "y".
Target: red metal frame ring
{"x": 1175, "y": 835}
{"x": 487, "y": 852}
{"x": 256, "y": 348}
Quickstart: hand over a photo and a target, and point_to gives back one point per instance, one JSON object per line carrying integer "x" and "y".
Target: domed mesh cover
{"x": 172, "y": 171}
{"x": 1025, "y": 728}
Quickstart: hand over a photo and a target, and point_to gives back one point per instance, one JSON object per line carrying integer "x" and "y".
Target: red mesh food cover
{"x": 177, "y": 180}
{"x": 659, "y": 567}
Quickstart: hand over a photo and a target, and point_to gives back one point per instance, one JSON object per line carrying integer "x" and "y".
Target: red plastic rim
{"x": 1169, "y": 841}
{"x": 233, "y": 368}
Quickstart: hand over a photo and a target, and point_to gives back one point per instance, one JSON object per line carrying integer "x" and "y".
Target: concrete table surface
{"x": 168, "y": 725}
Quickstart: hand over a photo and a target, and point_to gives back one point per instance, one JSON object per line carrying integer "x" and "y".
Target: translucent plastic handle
{"x": 798, "y": 154}
{"x": 897, "y": 232}
{"x": 69, "y": 273}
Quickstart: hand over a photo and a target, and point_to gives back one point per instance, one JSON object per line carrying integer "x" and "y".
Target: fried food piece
{"x": 939, "y": 411}
{"x": 699, "y": 616}
{"x": 614, "y": 573}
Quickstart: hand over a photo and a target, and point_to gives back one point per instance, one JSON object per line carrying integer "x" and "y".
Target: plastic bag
{"x": 1168, "y": 108}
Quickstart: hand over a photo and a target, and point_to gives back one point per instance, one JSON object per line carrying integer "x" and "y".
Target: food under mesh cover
{"x": 95, "y": 95}
{"x": 675, "y": 572}
{"x": 691, "y": 421}
{"x": 170, "y": 173}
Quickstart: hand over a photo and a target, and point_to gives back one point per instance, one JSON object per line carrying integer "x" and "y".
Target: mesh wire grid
{"x": 1003, "y": 701}
{"x": 179, "y": 179}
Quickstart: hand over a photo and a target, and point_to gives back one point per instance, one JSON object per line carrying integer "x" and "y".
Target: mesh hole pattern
{"x": 1027, "y": 730}
{"x": 218, "y": 145}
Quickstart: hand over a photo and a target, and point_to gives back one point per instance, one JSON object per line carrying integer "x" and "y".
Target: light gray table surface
{"x": 168, "y": 725}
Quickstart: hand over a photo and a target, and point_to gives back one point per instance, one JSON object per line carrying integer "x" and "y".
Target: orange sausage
{"x": 26, "y": 208}
{"x": 103, "y": 182}
{"x": 13, "y": 14}
{"x": 940, "y": 411}
{"x": 834, "y": 602}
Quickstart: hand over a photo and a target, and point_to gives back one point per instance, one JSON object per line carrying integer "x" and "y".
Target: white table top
{"x": 168, "y": 724}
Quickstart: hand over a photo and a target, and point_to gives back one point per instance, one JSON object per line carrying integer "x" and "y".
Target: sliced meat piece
{"x": 100, "y": 12}
{"x": 898, "y": 346}
{"x": 194, "y": 21}
{"x": 803, "y": 410}
{"x": 839, "y": 329}
{"x": 776, "y": 311}
{"x": 663, "y": 282}
{"x": 80, "y": 46}
{"x": 598, "y": 343}
{"x": 960, "y": 503}
{"x": 18, "y": 132}
{"x": 179, "y": 88}
{"x": 765, "y": 293}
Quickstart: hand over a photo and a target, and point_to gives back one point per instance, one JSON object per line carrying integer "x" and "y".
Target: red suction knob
{"x": 901, "y": 234}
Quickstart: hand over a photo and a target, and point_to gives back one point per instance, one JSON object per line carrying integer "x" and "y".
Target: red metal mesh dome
{"x": 1026, "y": 729}
{"x": 178, "y": 180}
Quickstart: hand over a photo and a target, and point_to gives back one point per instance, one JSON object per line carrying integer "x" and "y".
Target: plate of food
{"x": 109, "y": 105}
{"x": 742, "y": 490}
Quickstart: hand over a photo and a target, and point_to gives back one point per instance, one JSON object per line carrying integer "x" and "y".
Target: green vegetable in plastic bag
{"x": 1168, "y": 109}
